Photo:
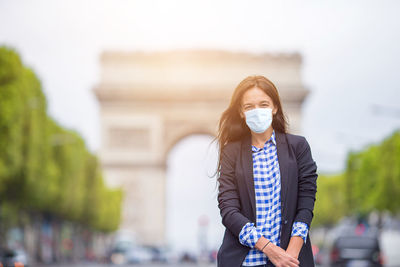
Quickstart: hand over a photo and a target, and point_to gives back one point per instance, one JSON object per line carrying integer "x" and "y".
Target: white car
{"x": 138, "y": 254}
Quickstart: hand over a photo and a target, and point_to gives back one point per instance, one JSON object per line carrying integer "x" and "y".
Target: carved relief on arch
{"x": 128, "y": 138}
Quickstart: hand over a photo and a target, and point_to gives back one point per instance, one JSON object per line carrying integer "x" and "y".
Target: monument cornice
{"x": 218, "y": 55}
{"x": 123, "y": 93}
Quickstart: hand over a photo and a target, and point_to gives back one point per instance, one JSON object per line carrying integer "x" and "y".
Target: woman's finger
{"x": 294, "y": 262}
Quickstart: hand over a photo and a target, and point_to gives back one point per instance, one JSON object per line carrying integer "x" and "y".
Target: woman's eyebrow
{"x": 261, "y": 102}
{"x": 247, "y": 104}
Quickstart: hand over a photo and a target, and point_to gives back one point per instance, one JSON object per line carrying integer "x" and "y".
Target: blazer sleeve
{"x": 307, "y": 187}
{"x": 228, "y": 197}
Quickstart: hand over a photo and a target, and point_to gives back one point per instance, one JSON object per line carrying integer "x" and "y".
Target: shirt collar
{"x": 271, "y": 139}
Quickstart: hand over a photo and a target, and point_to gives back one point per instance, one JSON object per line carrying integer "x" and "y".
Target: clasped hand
{"x": 279, "y": 257}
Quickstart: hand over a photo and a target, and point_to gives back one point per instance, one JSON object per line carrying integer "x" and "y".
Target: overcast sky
{"x": 349, "y": 48}
{"x": 350, "y": 55}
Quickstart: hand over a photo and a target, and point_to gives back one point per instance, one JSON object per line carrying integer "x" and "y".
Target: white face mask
{"x": 259, "y": 119}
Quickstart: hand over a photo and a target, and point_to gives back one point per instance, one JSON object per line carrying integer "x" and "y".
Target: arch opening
{"x": 193, "y": 222}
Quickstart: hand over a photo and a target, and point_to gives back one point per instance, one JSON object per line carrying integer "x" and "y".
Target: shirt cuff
{"x": 249, "y": 235}
{"x": 300, "y": 229}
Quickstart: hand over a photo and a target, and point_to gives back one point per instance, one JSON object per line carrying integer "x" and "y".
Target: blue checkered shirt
{"x": 267, "y": 185}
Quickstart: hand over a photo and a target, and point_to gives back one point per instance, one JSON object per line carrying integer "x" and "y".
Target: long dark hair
{"x": 232, "y": 127}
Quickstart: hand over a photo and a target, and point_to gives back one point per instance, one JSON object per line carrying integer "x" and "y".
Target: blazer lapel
{"x": 247, "y": 165}
{"x": 283, "y": 159}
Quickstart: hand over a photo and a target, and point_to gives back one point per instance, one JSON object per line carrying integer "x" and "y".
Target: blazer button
{"x": 285, "y": 222}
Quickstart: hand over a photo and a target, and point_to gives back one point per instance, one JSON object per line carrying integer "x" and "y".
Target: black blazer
{"x": 236, "y": 195}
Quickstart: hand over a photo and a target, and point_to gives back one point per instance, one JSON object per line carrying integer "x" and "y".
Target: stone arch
{"x": 181, "y": 135}
{"x": 151, "y": 100}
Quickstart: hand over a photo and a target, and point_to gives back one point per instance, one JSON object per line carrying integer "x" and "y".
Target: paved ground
{"x": 131, "y": 265}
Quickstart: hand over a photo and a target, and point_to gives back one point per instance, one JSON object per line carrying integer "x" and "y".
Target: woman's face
{"x": 256, "y": 98}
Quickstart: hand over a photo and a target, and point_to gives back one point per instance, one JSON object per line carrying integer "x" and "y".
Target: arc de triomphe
{"x": 151, "y": 100}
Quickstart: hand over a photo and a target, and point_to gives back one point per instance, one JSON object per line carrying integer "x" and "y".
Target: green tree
{"x": 373, "y": 176}
{"x": 44, "y": 167}
{"x": 330, "y": 205}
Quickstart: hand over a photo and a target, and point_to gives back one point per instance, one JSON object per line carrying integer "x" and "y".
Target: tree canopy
{"x": 370, "y": 182}
{"x": 44, "y": 166}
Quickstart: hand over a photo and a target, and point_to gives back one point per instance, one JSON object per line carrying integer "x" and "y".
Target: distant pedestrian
{"x": 267, "y": 182}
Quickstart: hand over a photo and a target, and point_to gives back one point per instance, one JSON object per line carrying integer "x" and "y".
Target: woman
{"x": 264, "y": 173}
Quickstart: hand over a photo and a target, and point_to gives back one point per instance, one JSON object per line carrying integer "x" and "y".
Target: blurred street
{"x": 146, "y": 265}
{"x": 132, "y": 265}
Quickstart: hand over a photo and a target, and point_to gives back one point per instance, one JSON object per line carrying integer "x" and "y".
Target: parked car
{"x": 13, "y": 257}
{"x": 139, "y": 254}
{"x": 127, "y": 252}
{"x": 161, "y": 254}
{"x": 356, "y": 251}
{"x": 118, "y": 253}
{"x": 188, "y": 257}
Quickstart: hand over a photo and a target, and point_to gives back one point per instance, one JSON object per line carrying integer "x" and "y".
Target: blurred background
{"x": 108, "y": 110}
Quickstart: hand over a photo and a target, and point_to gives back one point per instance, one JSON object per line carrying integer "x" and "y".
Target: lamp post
{"x": 203, "y": 222}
